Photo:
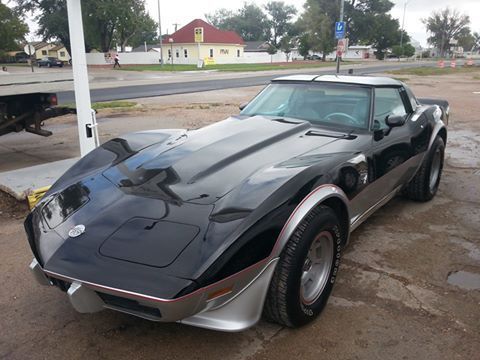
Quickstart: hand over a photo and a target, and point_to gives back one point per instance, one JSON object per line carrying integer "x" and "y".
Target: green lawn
{"x": 107, "y": 105}
{"x": 427, "y": 71}
{"x": 235, "y": 67}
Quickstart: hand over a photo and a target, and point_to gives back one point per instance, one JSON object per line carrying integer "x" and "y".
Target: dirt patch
{"x": 11, "y": 207}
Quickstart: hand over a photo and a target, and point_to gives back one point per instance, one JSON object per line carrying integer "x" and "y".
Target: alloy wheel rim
{"x": 316, "y": 268}
{"x": 435, "y": 170}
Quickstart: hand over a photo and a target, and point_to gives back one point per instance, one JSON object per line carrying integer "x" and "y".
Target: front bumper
{"x": 232, "y": 304}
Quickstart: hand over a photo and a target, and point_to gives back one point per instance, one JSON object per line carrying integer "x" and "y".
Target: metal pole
{"x": 403, "y": 24}
{"x": 85, "y": 115}
{"x": 341, "y": 19}
{"x": 160, "y": 33}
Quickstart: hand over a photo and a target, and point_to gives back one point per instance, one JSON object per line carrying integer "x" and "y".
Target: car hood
{"x": 202, "y": 166}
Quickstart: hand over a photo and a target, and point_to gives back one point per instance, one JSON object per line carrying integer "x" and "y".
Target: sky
{"x": 183, "y": 11}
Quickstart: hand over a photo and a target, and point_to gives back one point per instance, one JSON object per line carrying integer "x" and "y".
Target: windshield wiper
{"x": 283, "y": 120}
{"x": 348, "y": 136}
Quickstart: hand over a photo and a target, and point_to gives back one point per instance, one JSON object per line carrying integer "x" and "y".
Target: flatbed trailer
{"x": 28, "y": 111}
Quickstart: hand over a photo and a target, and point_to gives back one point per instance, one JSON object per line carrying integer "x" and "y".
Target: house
{"x": 200, "y": 40}
{"x": 256, "y": 46}
{"x": 60, "y": 52}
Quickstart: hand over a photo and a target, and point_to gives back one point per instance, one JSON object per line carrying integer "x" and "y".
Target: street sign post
{"x": 339, "y": 29}
{"x": 30, "y": 50}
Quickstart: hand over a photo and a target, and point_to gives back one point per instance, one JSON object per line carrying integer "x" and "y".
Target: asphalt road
{"x": 143, "y": 91}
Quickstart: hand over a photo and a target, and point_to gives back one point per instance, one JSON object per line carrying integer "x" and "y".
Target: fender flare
{"x": 311, "y": 201}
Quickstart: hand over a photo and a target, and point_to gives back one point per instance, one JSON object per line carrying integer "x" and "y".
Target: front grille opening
{"x": 130, "y": 305}
{"x": 62, "y": 285}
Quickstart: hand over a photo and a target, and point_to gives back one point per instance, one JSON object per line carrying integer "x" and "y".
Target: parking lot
{"x": 408, "y": 287}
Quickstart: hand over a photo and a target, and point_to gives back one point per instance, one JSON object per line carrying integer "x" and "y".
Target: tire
{"x": 49, "y": 65}
{"x": 290, "y": 301}
{"x": 424, "y": 185}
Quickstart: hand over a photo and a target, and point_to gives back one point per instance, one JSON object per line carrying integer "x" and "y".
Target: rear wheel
{"x": 424, "y": 185}
{"x": 306, "y": 272}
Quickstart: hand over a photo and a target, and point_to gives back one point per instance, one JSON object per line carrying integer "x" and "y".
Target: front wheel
{"x": 306, "y": 272}
{"x": 424, "y": 185}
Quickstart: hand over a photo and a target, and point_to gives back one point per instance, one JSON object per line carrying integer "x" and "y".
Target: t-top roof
{"x": 211, "y": 35}
{"x": 345, "y": 79}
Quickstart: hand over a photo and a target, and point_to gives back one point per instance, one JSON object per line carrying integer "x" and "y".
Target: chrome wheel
{"x": 316, "y": 268}
{"x": 435, "y": 169}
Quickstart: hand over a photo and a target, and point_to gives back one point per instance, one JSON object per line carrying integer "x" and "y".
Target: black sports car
{"x": 49, "y": 62}
{"x": 213, "y": 227}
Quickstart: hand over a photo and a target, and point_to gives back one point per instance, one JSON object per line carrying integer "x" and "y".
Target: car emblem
{"x": 76, "y": 231}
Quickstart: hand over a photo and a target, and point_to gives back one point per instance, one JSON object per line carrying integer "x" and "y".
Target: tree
{"x": 250, "y": 22}
{"x": 133, "y": 20}
{"x": 368, "y": 22}
{"x": 279, "y": 18}
{"x": 286, "y": 45}
{"x": 12, "y": 29}
{"x": 304, "y": 46}
{"x": 444, "y": 26}
{"x": 272, "y": 50}
{"x": 476, "y": 38}
{"x": 317, "y": 22}
{"x": 406, "y": 50}
{"x": 104, "y": 21}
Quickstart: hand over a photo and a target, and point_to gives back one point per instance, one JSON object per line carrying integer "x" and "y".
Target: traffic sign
{"x": 29, "y": 50}
{"x": 341, "y": 47}
{"x": 339, "y": 29}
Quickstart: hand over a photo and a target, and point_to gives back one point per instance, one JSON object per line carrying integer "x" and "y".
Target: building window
{"x": 211, "y": 53}
{"x": 62, "y": 53}
{"x": 169, "y": 53}
{"x": 238, "y": 52}
{"x": 44, "y": 52}
{"x": 177, "y": 53}
{"x": 185, "y": 53}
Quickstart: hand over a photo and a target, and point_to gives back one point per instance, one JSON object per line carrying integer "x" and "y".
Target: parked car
{"x": 313, "y": 57}
{"x": 49, "y": 62}
{"x": 215, "y": 226}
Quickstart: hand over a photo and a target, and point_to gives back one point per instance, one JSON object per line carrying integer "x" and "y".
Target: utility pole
{"x": 87, "y": 131}
{"x": 160, "y": 33}
{"x": 176, "y": 26}
{"x": 342, "y": 5}
{"x": 403, "y": 24}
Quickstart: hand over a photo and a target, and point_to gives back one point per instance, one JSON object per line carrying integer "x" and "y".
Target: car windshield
{"x": 336, "y": 105}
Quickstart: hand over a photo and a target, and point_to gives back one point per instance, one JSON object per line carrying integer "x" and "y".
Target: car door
{"x": 397, "y": 151}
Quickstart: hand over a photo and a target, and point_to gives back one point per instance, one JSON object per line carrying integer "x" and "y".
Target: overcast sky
{"x": 183, "y": 11}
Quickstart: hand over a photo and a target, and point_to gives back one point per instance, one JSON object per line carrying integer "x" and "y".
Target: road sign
{"x": 29, "y": 50}
{"x": 339, "y": 29}
{"x": 341, "y": 47}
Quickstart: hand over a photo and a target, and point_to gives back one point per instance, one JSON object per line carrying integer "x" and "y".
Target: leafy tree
{"x": 104, "y": 21}
{"x": 279, "y": 18}
{"x": 250, "y": 22}
{"x": 446, "y": 25}
{"x": 286, "y": 45}
{"x": 318, "y": 24}
{"x": 406, "y": 50}
{"x": 368, "y": 22}
{"x": 272, "y": 50}
{"x": 304, "y": 46}
{"x": 467, "y": 41}
{"x": 12, "y": 29}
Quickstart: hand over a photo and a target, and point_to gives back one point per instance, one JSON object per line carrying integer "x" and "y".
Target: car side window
{"x": 412, "y": 98}
{"x": 388, "y": 102}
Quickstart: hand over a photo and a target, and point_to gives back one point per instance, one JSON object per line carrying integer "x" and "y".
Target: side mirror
{"x": 243, "y": 105}
{"x": 395, "y": 121}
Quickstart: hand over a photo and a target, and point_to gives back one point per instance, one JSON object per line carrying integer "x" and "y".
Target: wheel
{"x": 39, "y": 65}
{"x": 424, "y": 185}
{"x": 306, "y": 271}
{"x": 49, "y": 65}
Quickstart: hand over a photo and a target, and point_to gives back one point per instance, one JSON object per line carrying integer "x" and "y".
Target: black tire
{"x": 421, "y": 187}
{"x": 285, "y": 304}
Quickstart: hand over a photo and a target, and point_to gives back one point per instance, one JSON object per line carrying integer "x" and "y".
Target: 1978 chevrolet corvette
{"x": 215, "y": 226}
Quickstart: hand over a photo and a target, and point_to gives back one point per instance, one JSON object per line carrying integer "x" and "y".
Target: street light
{"x": 160, "y": 33}
{"x": 403, "y": 24}
{"x": 170, "y": 40}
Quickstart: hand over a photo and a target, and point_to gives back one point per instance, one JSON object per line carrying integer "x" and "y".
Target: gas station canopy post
{"x": 87, "y": 130}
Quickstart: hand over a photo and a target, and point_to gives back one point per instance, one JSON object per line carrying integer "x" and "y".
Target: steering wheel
{"x": 349, "y": 119}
